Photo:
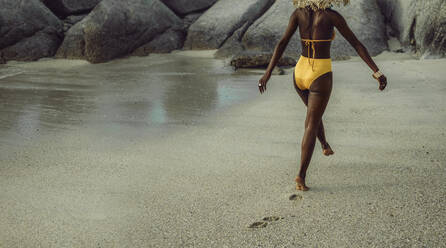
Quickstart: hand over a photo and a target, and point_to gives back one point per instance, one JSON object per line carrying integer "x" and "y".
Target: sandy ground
{"x": 204, "y": 184}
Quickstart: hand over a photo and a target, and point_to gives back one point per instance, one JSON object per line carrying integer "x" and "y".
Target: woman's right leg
{"x": 318, "y": 97}
{"x": 326, "y": 149}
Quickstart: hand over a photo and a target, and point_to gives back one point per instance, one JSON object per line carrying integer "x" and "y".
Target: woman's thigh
{"x": 302, "y": 93}
{"x": 318, "y": 97}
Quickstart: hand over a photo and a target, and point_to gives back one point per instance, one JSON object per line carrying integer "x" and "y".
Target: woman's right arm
{"x": 340, "y": 23}
{"x": 278, "y": 51}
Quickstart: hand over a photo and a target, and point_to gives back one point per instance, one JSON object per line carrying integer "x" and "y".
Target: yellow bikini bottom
{"x": 308, "y": 69}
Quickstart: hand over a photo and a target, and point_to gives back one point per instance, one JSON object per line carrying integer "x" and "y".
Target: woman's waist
{"x": 302, "y": 56}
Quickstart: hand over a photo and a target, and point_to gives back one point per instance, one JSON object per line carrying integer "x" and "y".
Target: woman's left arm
{"x": 278, "y": 51}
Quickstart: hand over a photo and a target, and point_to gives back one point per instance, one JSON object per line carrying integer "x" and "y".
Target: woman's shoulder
{"x": 332, "y": 12}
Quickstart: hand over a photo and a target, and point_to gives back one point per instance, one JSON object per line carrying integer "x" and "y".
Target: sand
{"x": 204, "y": 183}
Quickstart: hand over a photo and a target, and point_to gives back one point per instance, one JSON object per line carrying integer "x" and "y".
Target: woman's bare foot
{"x": 300, "y": 184}
{"x": 326, "y": 150}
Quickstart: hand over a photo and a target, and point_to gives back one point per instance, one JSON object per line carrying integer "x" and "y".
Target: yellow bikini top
{"x": 308, "y": 42}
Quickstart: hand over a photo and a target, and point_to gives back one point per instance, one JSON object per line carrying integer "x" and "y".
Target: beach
{"x": 193, "y": 156}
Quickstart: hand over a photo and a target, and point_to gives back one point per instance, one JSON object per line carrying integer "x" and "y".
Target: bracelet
{"x": 377, "y": 74}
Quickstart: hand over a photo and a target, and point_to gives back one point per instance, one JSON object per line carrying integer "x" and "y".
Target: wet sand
{"x": 193, "y": 156}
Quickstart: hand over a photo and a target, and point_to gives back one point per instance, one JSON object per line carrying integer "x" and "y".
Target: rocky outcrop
{"x": 171, "y": 40}
{"x": 419, "y": 25}
{"x": 28, "y": 30}
{"x": 63, "y": 8}
{"x": 71, "y": 20}
{"x": 219, "y": 22}
{"x": 366, "y": 21}
{"x": 184, "y": 7}
{"x": 253, "y": 60}
{"x": 259, "y": 41}
{"x": 263, "y": 35}
{"x": 134, "y": 23}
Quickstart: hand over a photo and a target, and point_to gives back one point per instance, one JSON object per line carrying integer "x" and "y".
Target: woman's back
{"x": 315, "y": 25}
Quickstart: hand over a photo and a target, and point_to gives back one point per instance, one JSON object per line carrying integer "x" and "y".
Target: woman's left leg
{"x": 326, "y": 149}
{"x": 318, "y": 97}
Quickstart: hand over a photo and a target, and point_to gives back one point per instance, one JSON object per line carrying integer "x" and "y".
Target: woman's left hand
{"x": 263, "y": 81}
{"x": 382, "y": 82}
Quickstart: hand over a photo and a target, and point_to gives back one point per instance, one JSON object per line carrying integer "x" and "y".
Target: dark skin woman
{"x": 317, "y": 24}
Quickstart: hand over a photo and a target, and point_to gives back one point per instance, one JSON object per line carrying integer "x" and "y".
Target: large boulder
{"x": 171, "y": 40}
{"x": 219, "y": 22}
{"x": 366, "y": 21}
{"x": 184, "y": 7}
{"x": 259, "y": 41}
{"x": 419, "y": 25}
{"x": 116, "y": 28}
{"x": 254, "y": 59}
{"x": 263, "y": 35}
{"x": 63, "y": 8}
{"x": 28, "y": 30}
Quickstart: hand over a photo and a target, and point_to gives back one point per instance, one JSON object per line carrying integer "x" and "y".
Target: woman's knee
{"x": 312, "y": 127}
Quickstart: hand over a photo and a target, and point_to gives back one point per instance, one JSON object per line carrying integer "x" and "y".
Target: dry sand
{"x": 203, "y": 185}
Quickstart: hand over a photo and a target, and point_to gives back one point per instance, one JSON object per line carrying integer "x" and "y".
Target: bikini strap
{"x": 308, "y": 42}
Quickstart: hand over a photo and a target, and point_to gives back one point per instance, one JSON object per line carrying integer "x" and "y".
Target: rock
{"x": 73, "y": 46}
{"x": 135, "y": 23}
{"x": 165, "y": 43}
{"x": 184, "y": 7}
{"x": 40, "y": 45}
{"x": 70, "y": 21}
{"x": 28, "y": 30}
{"x": 63, "y": 8}
{"x": 255, "y": 60}
{"x": 190, "y": 19}
{"x": 366, "y": 21}
{"x": 263, "y": 35}
{"x": 219, "y": 22}
{"x": 419, "y": 25}
{"x": 73, "y": 19}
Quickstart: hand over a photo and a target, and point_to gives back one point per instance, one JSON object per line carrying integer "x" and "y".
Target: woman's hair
{"x": 319, "y": 4}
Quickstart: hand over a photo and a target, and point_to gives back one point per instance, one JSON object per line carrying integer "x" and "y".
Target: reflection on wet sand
{"x": 52, "y": 95}
{"x": 190, "y": 97}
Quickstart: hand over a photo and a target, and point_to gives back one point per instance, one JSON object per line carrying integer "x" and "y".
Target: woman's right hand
{"x": 382, "y": 82}
{"x": 263, "y": 81}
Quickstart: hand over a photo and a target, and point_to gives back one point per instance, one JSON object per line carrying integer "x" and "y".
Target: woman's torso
{"x": 315, "y": 25}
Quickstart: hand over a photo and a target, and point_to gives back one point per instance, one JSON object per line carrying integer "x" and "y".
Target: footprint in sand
{"x": 272, "y": 218}
{"x": 258, "y": 224}
{"x": 264, "y": 223}
{"x": 295, "y": 197}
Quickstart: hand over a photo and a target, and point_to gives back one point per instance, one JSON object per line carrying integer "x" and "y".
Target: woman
{"x": 312, "y": 75}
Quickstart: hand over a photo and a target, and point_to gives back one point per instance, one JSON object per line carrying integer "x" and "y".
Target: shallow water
{"x": 133, "y": 95}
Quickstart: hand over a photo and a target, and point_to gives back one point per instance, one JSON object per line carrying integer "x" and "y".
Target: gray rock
{"x": 190, "y": 19}
{"x": 41, "y": 44}
{"x": 28, "y": 30}
{"x": 419, "y": 25}
{"x": 184, "y": 7}
{"x": 165, "y": 43}
{"x": 219, "y": 22}
{"x": 73, "y": 46}
{"x": 256, "y": 59}
{"x": 63, "y": 8}
{"x": 98, "y": 38}
{"x": 263, "y": 35}
{"x": 70, "y": 21}
{"x": 366, "y": 21}
{"x": 73, "y": 19}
